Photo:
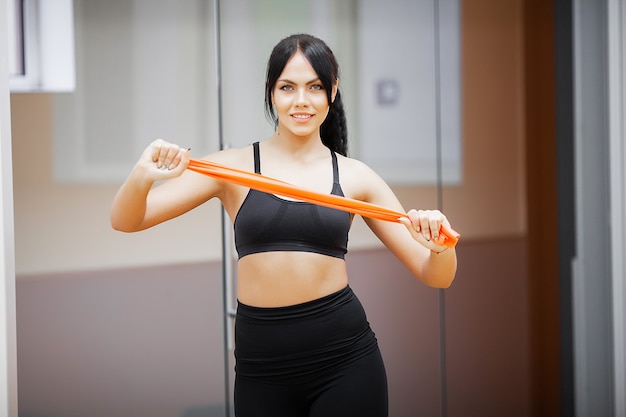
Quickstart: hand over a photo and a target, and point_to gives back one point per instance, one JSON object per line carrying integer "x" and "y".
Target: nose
{"x": 301, "y": 98}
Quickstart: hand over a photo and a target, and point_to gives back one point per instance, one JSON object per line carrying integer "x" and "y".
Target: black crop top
{"x": 267, "y": 223}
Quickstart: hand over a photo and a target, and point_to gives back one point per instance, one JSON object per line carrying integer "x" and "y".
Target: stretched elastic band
{"x": 447, "y": 236}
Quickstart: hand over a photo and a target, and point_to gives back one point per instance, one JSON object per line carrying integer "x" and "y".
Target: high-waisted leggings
{"x": 315, "y": 359}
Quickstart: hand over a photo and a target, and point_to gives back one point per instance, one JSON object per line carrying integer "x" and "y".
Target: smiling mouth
{"x": 302, "y": 116}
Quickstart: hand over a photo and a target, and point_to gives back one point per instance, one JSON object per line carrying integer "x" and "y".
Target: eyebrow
{"x": 285, "y": 80}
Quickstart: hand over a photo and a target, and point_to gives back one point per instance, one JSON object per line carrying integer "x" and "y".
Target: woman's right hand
{"x": 162, "y": 160}
{"x": 132, "y": 210}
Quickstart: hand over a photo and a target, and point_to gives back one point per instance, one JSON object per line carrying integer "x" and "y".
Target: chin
{"x": 302, "y": 133}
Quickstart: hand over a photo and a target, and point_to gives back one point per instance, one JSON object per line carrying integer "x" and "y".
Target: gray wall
{"x": 148, "y": 341}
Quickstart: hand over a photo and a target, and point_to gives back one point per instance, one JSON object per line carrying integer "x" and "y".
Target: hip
{"x": 302, "y": 339}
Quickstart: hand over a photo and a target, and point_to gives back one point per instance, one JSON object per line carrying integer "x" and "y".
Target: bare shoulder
{"x": 240, "y": 158}
{"x": 358, "y": 180}
{"x": 353, "y": 166}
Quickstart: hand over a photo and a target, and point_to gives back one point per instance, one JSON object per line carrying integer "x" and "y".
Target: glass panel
{"x": 138, "y": 338}
{"x": 388, "y": 58}
{"x": 404, "y": 75}
{"x": 487, "y": 308}
{"x": 144, "y": 70}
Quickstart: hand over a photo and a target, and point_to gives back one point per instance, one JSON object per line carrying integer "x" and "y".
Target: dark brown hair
{"x": 333, "y": 131}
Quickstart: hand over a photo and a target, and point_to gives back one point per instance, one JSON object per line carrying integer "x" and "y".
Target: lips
{"x": 301, "y": 117}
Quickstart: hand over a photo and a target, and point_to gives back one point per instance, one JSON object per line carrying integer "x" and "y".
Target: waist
{"x": 278, "y": 279}
{"x": 293, "y": 342}
{"x": 315, "y": 307}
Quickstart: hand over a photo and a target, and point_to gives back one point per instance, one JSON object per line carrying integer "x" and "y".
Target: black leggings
{"x": 314, "y": 359}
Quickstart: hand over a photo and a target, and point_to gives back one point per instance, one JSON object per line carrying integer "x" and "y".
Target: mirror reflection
{"x": 143, "y": 312}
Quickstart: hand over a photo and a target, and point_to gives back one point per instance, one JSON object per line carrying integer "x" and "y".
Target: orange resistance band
{"x": 448, "y": 237}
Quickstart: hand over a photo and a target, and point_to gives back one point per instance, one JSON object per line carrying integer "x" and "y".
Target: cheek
{"x": 322, "y": 105}
{"x": 280, "y": 99}
{"x": 280, "y": 108}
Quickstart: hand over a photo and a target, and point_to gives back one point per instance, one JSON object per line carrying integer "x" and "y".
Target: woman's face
{"x": 300, "y": 99}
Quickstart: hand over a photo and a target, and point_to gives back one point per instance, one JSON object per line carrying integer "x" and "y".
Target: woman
{"x": 303, "y": 344}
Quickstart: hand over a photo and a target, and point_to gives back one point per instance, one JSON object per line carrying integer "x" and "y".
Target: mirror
{"x": 146, "y": 69}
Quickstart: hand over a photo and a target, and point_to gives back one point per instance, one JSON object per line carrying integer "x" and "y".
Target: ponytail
{"x": 334, "y": 131}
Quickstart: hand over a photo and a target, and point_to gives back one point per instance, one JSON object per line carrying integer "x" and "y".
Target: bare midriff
{"x": 278, "y": 279}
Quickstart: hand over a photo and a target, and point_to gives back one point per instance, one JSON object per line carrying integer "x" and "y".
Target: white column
{"x": 8, "y": 357}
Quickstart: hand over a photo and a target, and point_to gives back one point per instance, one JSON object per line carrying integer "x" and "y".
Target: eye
{"x": 285, "y": 87}
{"x": 317, "y": 87}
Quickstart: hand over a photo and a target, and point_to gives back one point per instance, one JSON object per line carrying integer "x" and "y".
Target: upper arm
{"x": 366, "y": 185}
{"x": 191, "y": 189}
{"x": 178, "y": 196}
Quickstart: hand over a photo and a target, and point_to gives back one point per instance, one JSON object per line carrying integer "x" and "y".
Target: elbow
{"x": 443, "y": 283}
{"x": 441, "y": 274}
{"x": 124, "y": 229}
{"x": 441, "y": 277}
{"x": 120, "y": 226}
{"x": 121, "y": 221}
{"x": 440, "y": 282}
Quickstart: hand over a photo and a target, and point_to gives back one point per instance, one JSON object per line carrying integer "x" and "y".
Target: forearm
{"x": 129, "y": 205}
{"x": 439, "y": 269}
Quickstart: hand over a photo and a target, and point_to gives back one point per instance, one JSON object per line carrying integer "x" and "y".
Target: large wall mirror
{"x": 149, "y": 68}
{"x": 160, "y": 64}
{"x": 438, "y": 100}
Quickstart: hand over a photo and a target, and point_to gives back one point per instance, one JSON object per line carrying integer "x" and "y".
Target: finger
{"x": 414, "y": 218}
{"x": 424, "y": 223}
{"x": 167, "y": 155}
{"x": 442, "y": 235}
{"x": 406, "y": 221}
{"x": 155, "y": 150}
{"x": 435, "y": 224}
{"x": 160, "y": 149}
{"x": 182, "y": 157}
{"x": 172, "y": 158}
{"x": 176, "y": 160}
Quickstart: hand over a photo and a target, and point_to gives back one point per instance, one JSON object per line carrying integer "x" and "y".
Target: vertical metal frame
{"x": 592, "y": 283}
{"x": 441, "y": 294}
{"x": 616, "y": 15}
{"x": 227, "y": 261}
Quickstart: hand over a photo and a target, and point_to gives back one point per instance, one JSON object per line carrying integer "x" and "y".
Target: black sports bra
{"x": 267, "y": 223}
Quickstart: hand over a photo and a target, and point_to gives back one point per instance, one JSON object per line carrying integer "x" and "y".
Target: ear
{"x": 333, "y": 94}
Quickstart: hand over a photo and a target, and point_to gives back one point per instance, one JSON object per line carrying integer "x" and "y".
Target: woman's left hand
{"x": 425, "y": 226}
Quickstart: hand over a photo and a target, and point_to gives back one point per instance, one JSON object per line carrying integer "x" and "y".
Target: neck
{"x": 298, "y": 148}
{"x": 296, "y": 144}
